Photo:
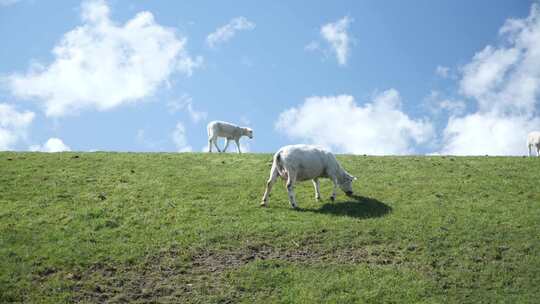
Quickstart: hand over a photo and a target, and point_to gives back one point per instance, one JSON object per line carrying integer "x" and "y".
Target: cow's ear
{"x": 354, "y": 178}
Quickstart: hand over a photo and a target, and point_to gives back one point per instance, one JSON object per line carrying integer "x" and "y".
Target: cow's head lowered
{"x": 345, "y": 183}
{"x": 248, "y": 132}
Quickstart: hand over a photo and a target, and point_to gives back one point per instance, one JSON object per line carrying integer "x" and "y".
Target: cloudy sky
{"x": 365, "y": 77}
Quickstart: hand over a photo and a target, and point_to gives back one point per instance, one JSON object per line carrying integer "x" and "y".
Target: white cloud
{"x": 312, "y": 46}
{"x": 442, "y": 71}
{"x": 247, "y": 62}
{"x": 504, "y": 83}
{"x": 337, "y": 122}
{"x": 13, "y": 125}
{"x": 8, "y": 2}
{"x": 245, "y": 147}
{"x": 452, "y": 106}
{"x": 244, "y": 120}
{"x": 186, "y": 102}
{"x": 487, "y": 133}
{"x": 141, "y": 136}
{"x": 228, "y": 31}
{"x": 149, "y": 143}
{"x": 52, "y": 145}
{"x": 437, "y": 103}
{"x": 179, "y": 138}
{"x": 338, "y": 38}
{"x": 102, "y": 64}
{"x": 485, "y": 75}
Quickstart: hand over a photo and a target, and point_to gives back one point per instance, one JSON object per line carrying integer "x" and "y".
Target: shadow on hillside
{"x": 357, "y": 206}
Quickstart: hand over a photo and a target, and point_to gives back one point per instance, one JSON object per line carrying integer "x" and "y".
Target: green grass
{"x": 137, "y": 227}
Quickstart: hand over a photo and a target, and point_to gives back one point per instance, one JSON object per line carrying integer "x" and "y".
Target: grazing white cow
{"x": 303, "y": 162}
{"x": 229, "y": 131}
{"x": 533, "y": 140}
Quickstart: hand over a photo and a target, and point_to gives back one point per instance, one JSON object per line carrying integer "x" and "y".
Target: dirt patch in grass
{"x": 173, "y": 276}
{"x": 164, "y": 277}
{"x": 219, "y": 261}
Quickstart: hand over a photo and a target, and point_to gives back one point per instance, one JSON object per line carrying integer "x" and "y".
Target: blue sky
{"x": 374, "y": 77}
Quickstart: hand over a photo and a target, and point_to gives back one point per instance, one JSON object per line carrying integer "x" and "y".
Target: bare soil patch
{"x": 170, "y": 276}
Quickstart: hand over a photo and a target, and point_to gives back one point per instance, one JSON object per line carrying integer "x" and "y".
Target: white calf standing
{"x": 533, "y": 140}
{"x": 303, "y": 162}
{"x": 229, "y": 131}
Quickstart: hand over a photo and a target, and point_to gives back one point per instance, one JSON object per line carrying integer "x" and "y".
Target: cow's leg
{"x": 333, "y": 197}
{"x": 538, "y": 150}
{"x": 226, "y": 144}
{"x": 210, "y": 145}
{"x": 214, "y": 140}
{"x": 316, "y": 185}
{"x": 290, "y": 189}
{"x": 269, "y": 184}
{"x": 237, "y": 145}
{"x": 530, "y": 154}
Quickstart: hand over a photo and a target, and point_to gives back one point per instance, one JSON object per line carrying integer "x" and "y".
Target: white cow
{"x": 304, "y": 162}
{"x": 533, "y": 140}
{"x": 229, "y": 131}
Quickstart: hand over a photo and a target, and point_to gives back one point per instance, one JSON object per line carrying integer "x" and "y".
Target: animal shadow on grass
{"x": 358, "y": 207}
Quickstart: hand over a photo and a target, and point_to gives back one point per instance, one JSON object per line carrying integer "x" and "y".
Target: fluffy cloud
{"x": 148, "y": 143}
{"x": 487, "y": 133}
{"x": 337, "y": 37}
{"x": 442, "y": 71}
{"x": 484, "y": 77}
{"x": 13, "y": 125}
{"x": 312, "y": 46}
{"x": 102, "y": 64}
{"x": 52, "y": 145}
{"x": 244, "y": 120}
{"x": 179, "y": 138}
{"x": 185, "y": 102}
{"x": 337, "y": 122}
{"x": 8, "y": 2}
{"x": 438, "y": 103}
{"x": 452, "y": 106}
{"x": 504, "y": 83}
{"x": 228, "y": 31}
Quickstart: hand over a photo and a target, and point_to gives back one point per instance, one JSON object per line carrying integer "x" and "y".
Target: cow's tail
{"x": 279, "y": 164}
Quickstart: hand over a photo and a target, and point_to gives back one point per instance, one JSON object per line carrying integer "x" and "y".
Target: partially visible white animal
{"x": 303, "y": 162}
{"x": 533, "y": 140}
{"x": 229, "y": 131}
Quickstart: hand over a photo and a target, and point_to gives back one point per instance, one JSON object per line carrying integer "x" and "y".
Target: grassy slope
{"x": 187, "y": 227}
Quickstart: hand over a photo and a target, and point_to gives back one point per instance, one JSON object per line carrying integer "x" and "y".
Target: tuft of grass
{"x": 167, "y": 227}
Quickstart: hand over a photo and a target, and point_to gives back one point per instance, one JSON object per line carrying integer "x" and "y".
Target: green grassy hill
{"x": 136, "y": 227}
